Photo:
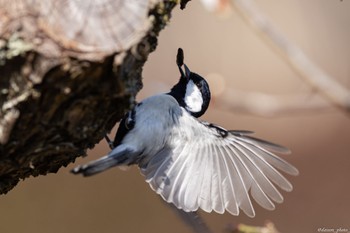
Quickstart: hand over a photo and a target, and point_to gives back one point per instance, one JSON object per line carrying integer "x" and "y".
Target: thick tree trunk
{"x": 69, "y": 70}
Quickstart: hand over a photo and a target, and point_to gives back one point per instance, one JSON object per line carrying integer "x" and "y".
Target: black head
{"x": 192, "y": 91}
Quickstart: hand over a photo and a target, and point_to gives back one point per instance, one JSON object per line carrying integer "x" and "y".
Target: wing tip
{"x": 293, "y": 171}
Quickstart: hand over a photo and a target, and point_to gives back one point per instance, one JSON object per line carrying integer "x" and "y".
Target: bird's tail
{"x": 104, "y": 163}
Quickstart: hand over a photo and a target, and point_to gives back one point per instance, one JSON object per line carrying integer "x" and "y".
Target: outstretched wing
{"x": 211, "y": 168}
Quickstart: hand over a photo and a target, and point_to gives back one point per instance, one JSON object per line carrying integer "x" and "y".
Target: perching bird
{"x": 191, "y": 163}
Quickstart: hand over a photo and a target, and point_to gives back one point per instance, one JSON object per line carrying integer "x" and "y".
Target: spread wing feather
{"x": 218, "y": 170}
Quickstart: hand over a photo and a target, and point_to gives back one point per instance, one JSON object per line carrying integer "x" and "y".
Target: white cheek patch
{"x": 193, "y": 97}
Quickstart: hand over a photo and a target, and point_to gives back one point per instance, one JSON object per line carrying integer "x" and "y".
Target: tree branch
{"x": 266, "y": 105}
{"x": 312, "y": 74}
{"x": 70, "y": 69}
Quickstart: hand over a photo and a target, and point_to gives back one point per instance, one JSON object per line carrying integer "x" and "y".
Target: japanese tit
{"x": 191, "y": 163}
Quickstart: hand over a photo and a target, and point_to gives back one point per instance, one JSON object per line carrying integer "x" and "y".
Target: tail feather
{"x": 102, "y": 164}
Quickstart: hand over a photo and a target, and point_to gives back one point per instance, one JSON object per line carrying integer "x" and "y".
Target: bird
{"x": 191, "y": 163}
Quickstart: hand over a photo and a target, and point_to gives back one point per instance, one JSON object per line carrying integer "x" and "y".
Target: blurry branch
{"x": 242, "y": 228}
{"x": 337, "y": 94}
{"x": 265, "y": 105}
{"x": 191, "y": 219}
{"x": 261, "y": 104}
{"x": 197, "y": 223}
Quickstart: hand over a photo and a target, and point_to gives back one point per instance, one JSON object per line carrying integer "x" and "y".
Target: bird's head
{"x": 192, "y": 91}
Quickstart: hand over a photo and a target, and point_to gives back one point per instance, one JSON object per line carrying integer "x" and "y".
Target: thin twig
{"x": 192, "y": 219}
{"x": 266, "y": 105}
{"x": 315, "y": 76}
{"x": 269, "y": 227}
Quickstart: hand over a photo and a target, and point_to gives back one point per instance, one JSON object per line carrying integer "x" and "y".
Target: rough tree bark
{"x": 69, "y": 70}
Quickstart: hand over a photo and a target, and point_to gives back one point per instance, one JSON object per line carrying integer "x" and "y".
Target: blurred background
{"x": 223, "y": 48}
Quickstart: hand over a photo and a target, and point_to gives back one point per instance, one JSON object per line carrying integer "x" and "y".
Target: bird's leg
{"x": 109, "y": 141}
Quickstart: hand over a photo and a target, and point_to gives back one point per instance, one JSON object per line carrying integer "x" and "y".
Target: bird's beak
{"x": 187, "y": 72}
{"x": 180, "y": 63}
